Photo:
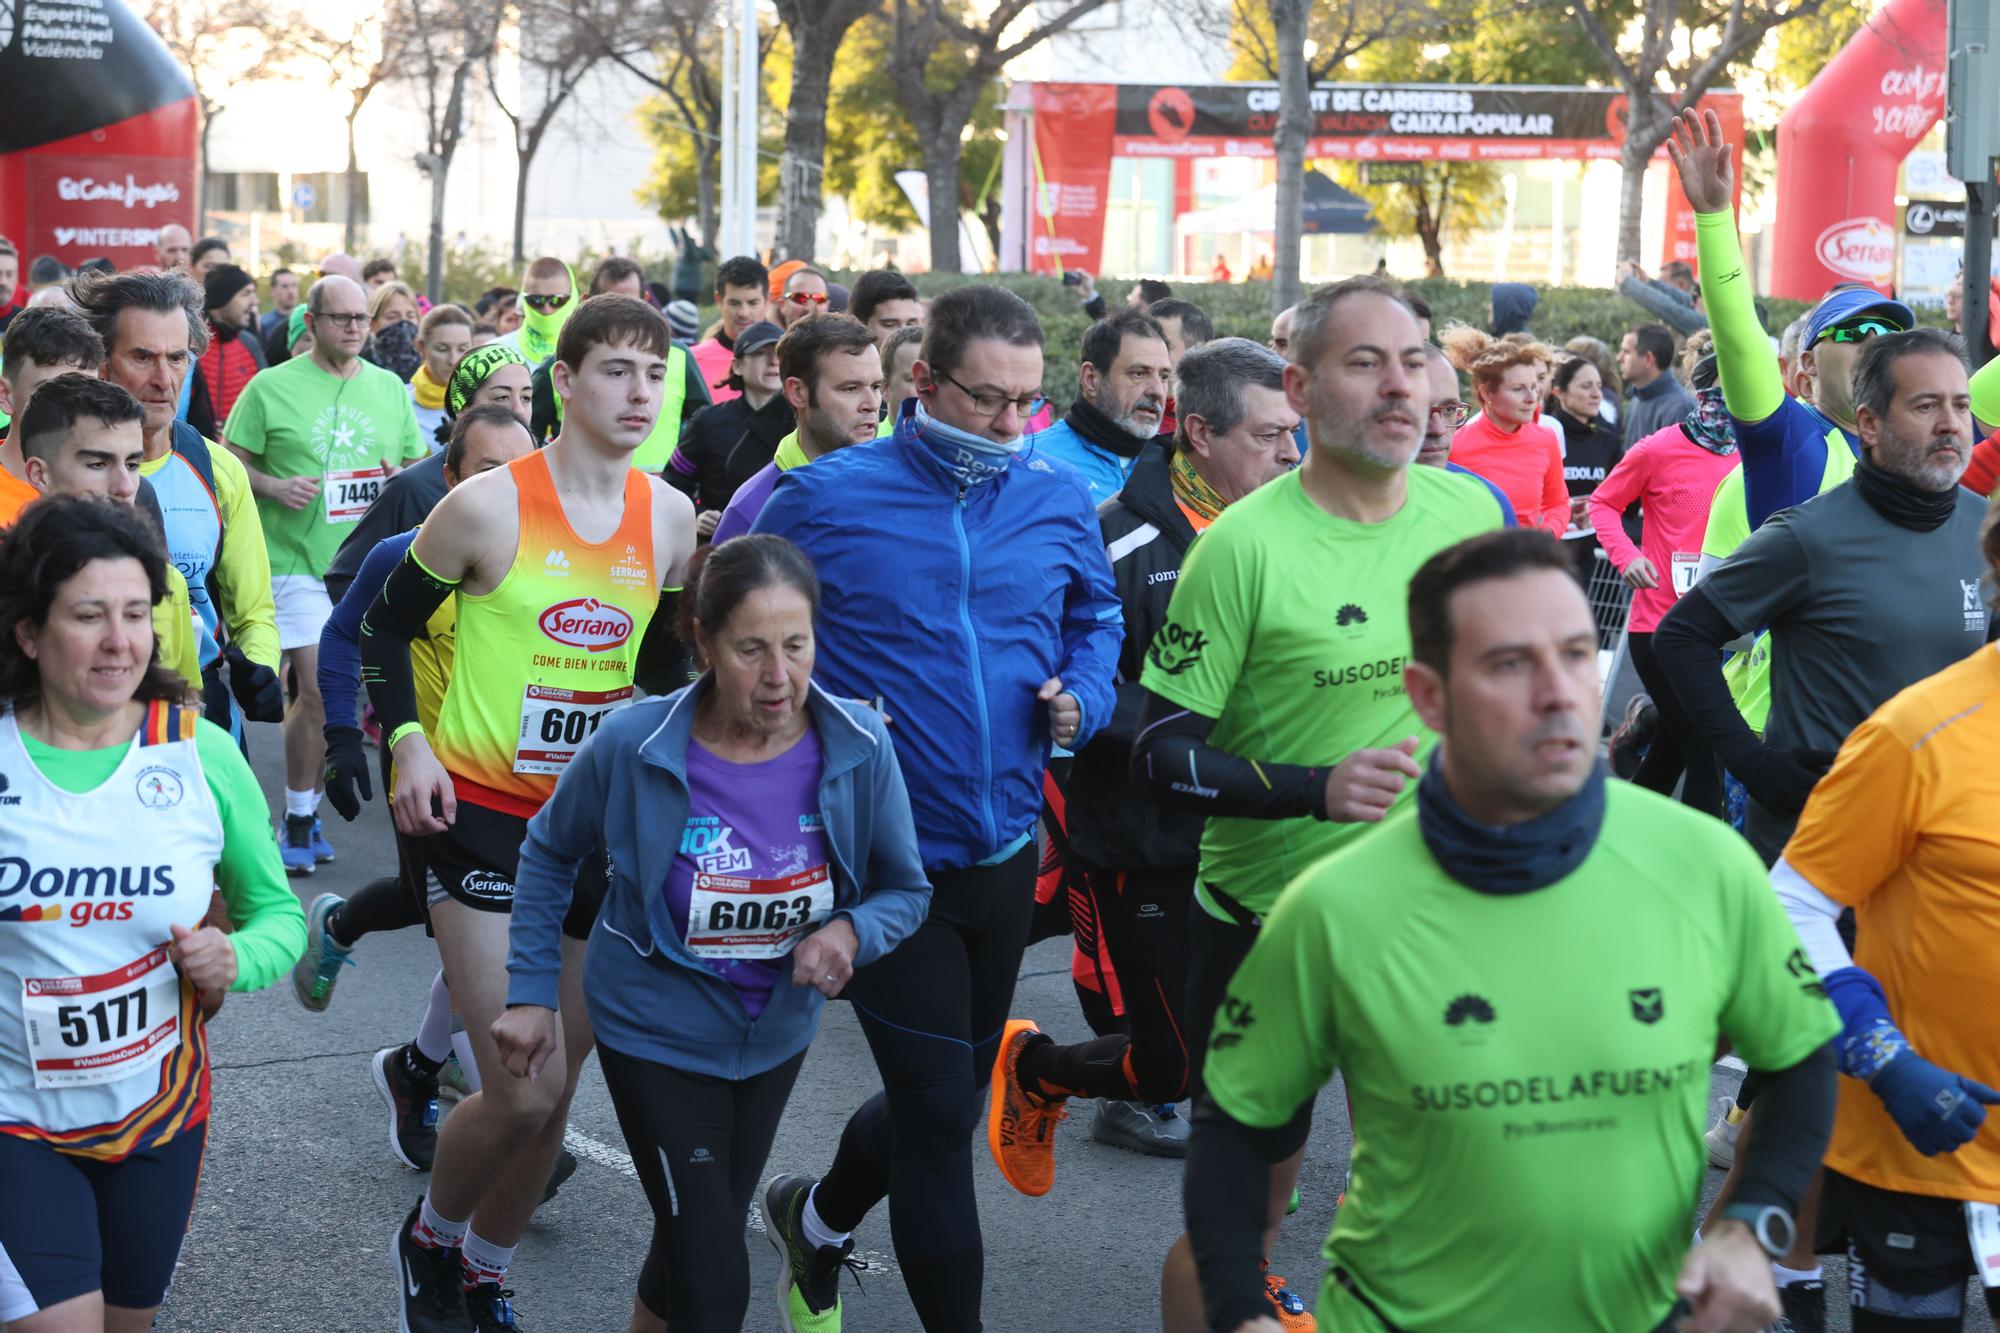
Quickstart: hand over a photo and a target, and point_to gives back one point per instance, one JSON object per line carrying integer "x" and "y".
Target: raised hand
{"x": 1701, "y": 155}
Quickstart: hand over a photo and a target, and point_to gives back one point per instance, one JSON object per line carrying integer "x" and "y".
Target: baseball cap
{"x": 757, "y": 337}
{"x": 683, "y": 319}
{"x": 1853, "y": 303}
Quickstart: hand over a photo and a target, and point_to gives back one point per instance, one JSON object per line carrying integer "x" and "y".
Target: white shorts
{"x": 303, "y": 609}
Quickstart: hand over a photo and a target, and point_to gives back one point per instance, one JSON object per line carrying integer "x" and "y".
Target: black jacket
{"x": 726, "y": 445}
{"x": 1146, "y": 537}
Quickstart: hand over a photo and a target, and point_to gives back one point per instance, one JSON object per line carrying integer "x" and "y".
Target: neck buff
{"x": 473, "y": 369}
{"x": 1098, "y": 428}
{"x": 396, "y": 349}
{"x": 971, "y": 458}
{"x": 428, "y": 392}
{"x": 1708, "y": 423}
{"x": 1514, "y": 858}
{"x": 1194, "y": 493}
{"x": 1900, "y": 500}
{"x": 295, "y": 326}
{"x": 539, "y": 329}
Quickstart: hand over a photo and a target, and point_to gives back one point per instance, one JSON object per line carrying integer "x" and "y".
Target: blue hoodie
{"x": 648, "y": 995}
{"x": 1513, "y": 302}
{"x": 952, "y": 605}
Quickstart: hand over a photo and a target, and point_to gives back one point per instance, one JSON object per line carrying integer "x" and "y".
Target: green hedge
{"x": 1243, "y": 309}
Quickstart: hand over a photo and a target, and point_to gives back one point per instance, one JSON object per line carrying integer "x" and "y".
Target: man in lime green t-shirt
{"x": 319, "y": 436}
{"x": 1522, "y": 982}
{"x": 1275, "y": 701}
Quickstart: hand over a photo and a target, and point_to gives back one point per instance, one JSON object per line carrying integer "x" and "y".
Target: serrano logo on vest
{"x": 159, "y": 788}
{"x": 585, "y": 622}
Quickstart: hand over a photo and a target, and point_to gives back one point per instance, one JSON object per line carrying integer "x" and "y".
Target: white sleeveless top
{"x": 101, "y": 1050}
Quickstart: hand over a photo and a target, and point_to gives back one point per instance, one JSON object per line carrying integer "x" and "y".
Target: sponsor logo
{"x": 488, "y": 886}
{"x": 586, "y": 623}
{"x": 1176, "y": 648}
{"x": 1968, "y": 587}
{"x": 159, "y": 788}
{"x": 1386, "y": 668}
{"x": 629, "y": 573}
{"x": 1468, "y": 1009}
{"x": 811, "y": 823}
{"x": 1350, "y": 614}
{"x": 5, "y": 799}
{"x": 1863, "y": 249}
{"x": 556, "y": 562}
{"x": 1648, "y": 1004}
{"x": 1170, "y": 115}
{"x": 129, "y": 192}
{"x": 1238, "y": 1017}
{"x": 30, "y": 914}
{"x": 1163, "y": 576}
{"x": 127, "y": 881}
{"x": 1801, "y": 970}
{"x": 701, "y": 1157}
{"x": 1555, "y": 1089}
{"x": 1195, "y": 789}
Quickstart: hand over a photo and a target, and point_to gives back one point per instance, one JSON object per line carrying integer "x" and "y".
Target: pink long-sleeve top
{"x": 1675, "y": 479}
{"x": 1527, "y": 465}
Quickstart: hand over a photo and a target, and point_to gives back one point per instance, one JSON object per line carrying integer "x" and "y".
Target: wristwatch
{"x": 1770, "y": 1225}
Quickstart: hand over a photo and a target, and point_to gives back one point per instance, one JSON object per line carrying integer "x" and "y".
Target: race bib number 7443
{"x": 348, "y": 494}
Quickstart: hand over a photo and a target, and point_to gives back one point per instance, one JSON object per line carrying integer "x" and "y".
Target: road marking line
{"x": 592, "y": 1149}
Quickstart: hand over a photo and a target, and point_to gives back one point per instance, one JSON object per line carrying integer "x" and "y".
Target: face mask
{"x": 396, "y": 348}
{"x": 1709, "y": 424}
{"x": 539, "y": 328}
{"x": 972, "y": 458}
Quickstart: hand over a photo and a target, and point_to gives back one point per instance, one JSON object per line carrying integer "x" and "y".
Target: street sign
{"x": 304, "y": 196}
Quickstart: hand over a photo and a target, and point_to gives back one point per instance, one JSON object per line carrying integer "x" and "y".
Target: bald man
{"x": 172, "y": 250}
{"x": 338, "y": 265}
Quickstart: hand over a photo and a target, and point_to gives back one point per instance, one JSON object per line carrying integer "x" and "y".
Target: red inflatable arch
{"x": 1839, "y": 146}
{"x": 98, "y": 128}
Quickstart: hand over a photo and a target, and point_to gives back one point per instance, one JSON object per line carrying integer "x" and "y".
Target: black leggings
{"x": 383, "y": 904}
{"x": 933, "y": 1011}
{"x": 1678, "y": 746}
{"x": 699, "y": 1145}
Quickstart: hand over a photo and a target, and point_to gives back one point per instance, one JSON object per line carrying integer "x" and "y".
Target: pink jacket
{"x": 1675, "y": 479}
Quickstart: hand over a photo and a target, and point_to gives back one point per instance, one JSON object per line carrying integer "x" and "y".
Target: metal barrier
{"x": 1610, "y": 605}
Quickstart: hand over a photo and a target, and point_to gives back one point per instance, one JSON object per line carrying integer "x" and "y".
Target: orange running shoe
{"x": 1021, "y": 1127}
{"x": 1287, "y": 1307}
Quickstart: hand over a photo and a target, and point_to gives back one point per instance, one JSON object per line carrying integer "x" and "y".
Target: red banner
{"x": 113, "y": 206}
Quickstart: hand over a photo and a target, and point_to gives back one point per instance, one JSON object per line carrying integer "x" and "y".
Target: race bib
{"x": 88, "y": 1030}
{"x": 348, "y": 494}
{"x": 1982, "y": 1226}
{"x": 1685, "y": 566}
{"x": 554, "y": 722}
{"x": 733, "y": 917}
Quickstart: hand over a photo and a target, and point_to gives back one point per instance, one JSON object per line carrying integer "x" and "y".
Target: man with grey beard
{"x": 1866, "y": 589}
{"x": 1122, "y": 391}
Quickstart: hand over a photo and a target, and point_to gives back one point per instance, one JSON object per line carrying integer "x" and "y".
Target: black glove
{"x": 255, "y": 687}
{"x": 346, "y": 769}
{"x": 1781, "y": 780}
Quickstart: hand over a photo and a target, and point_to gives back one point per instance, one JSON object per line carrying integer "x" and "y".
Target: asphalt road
{"x": 300, "y": 1197}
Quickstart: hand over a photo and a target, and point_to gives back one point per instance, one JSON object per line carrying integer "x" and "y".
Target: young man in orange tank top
{"x": 615, "y": 537}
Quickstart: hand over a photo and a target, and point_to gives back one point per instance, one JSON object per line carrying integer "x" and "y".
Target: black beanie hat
{"x": 222, "y": 284}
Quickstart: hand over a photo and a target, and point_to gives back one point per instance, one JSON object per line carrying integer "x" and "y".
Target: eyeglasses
{"x": 350, "y": 321}
{"x": 1453, "y": 412}
{"x": 1860, "y": 331}
{"x": 546, "y": 303}
{"x": 988, "y": 404}
{"x": 806, "y": 298}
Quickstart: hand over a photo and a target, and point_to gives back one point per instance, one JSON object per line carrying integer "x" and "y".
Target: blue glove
{"x": 1937, "y": 1110}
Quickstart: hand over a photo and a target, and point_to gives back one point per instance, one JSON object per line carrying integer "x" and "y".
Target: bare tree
{"x": 1666, "y": 59}
{"x": 360, "y": 53}
{"x": 447, "y": 41}
{"x": 817, "y": 27}
{"x": 556, "y": 46}
{"x": 941, "y": 63}
{"x": 219, "y": 42}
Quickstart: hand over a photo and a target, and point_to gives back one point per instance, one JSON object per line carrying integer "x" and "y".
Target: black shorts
{"x": 474, "y": 862}
{"x": 70, "y": 1225}
{"x": 1216, "y": 948}
{"x": 1910, "y": 1243}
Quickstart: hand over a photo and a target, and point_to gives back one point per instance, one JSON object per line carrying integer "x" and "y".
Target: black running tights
{"x": 1678, "y": 745}
{"x": 699, "y": 1145}
{"x": 933, "y": 1011}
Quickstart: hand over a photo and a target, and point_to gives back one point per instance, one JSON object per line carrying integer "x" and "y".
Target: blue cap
{"x": 757, "y": 337}
{"x": 1852, "y": 303}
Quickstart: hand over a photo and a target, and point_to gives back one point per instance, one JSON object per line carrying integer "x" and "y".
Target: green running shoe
{"x": 808, "y": 1288}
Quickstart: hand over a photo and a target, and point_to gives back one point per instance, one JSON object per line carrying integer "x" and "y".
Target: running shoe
{"x": 808, "y": 1288}
{"x": 322, "y": 849}
{"x": 413, "y": 1109}
{"x": 1804, "y": 1304}
{"x": 452, "y": 1079}
{"x": 1287, "y": 1306}
{"x": 318, "y": 968}
{"x": 430, "y": 1299}
{"x": 1021, "y": 1127}
{"x": 1721, "y": 1137}
{"x": 295, "y": 845}
{"x": 564, "y": 1168}
{"x": 491, "y": 1311}
{"x": 1157, "y": 1131}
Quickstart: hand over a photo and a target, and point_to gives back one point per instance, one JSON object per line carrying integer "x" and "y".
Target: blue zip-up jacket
{"x": 952, "y": 605}
{"x": 1103, "y": 472}
{"x": 648, "y": 995}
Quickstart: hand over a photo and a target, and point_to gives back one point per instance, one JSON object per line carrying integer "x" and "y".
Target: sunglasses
{"x": 1860, "y": 331}
{"x": 546, "y": 303}
{"x": 806, "y": 298}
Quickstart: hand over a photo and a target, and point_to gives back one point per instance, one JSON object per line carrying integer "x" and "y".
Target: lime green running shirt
{"x": 1290, "y": 628}
{"x": 1529, "y": 1072}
